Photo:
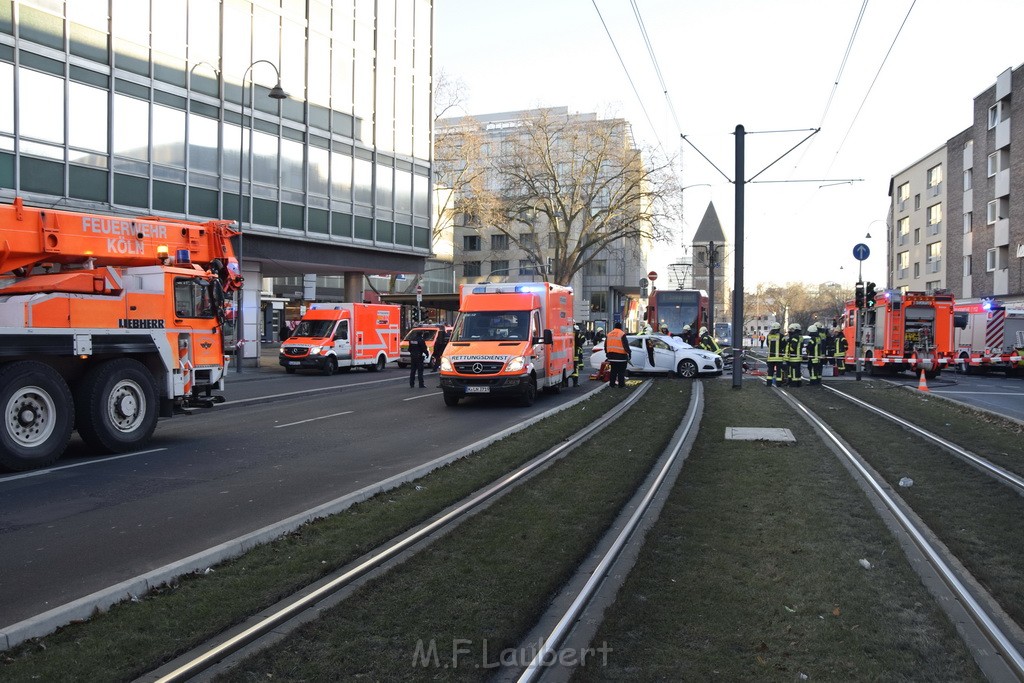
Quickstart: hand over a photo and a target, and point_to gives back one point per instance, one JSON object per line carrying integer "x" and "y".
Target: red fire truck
{"x": 992, "y": 337}
{"x": 902, "y": 331}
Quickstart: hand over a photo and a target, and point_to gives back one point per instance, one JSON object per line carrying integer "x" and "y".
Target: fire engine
{"x": 902, "y": 331}
{"x": 106, "y": 323}
{"x": 510, "y": 339}
{"x": 991, "y": 338}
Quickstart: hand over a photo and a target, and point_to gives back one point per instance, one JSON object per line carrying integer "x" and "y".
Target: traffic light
{"x": 869, "y": 295}
{"x": 859, "y": 296}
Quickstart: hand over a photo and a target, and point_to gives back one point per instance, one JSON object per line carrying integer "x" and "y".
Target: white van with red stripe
{"x": 332, "y": 337}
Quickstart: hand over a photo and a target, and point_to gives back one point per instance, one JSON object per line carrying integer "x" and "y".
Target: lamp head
{"x": 277, "y": 92}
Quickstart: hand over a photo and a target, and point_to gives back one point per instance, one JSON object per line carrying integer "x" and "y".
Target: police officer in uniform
{"x": 776, "y": 361}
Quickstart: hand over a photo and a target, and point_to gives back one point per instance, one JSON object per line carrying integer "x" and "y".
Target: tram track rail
{"x": 298, "y": 607}
{"x": 989, "y": 623}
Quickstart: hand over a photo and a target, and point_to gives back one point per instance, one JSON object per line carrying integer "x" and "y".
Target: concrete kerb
{"x": 135, "y": 587}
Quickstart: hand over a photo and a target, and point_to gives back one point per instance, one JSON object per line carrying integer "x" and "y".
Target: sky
{"x": 886, "y": 81}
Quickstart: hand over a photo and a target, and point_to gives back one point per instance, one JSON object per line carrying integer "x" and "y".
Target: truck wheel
{"x": 379, "y": 365}
{"x": 38, "y": 412}
{"x": 529, "y": 394}
{"x": 686, "y": 368}
{"x": 451, "y": 400}
{"x": 116, "y": 406}
{"x": 330, "y": 366}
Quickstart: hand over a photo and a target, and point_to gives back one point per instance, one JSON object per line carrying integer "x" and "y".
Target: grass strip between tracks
{"x": 752, "y": 571}
{"x": 134, "y": 638}
{"x": 456, "y": 609}
{"x": 978, "y": 518}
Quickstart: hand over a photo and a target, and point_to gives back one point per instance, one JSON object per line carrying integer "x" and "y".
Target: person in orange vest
{"x": 616, "y": 348}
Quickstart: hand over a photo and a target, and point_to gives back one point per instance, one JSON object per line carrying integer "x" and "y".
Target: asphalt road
{"x": 281, "y": 445}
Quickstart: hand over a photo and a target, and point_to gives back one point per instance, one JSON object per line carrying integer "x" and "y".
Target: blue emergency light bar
{"x": 182, "y": 256}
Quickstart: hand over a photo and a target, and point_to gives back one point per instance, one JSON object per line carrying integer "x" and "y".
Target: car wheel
{"x": 686, "y": 368}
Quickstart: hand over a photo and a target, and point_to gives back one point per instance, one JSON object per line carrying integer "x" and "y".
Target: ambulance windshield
{"x": 314, "y": 328}
{"x": 492, "y": 326}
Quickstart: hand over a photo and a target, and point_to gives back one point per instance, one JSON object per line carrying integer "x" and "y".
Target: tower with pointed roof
{"x": 710, "y": 260}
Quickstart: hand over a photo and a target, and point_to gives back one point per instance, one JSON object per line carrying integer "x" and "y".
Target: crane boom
{"x": 31, "y": 236}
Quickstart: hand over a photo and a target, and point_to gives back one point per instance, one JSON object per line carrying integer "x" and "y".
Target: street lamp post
{"x": 277, "y": 93}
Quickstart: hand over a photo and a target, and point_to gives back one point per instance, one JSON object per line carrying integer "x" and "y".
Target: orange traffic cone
{"x": 922, "y": 385}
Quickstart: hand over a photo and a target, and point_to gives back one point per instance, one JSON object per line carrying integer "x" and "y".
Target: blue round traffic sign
{"x": 861, "y": 252}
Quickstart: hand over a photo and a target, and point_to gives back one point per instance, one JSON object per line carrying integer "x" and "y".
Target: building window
{"x": 902, "y": 195}
{"x": 995, "y": 114}
{"x": 471, "y": 242}
{"x": 967, "y": 266}
{"x": 902, "y": 230}
{"x": 968, "y": 179}
{"x": 990, "y": 260}
{"x": 932, "y": 285}
{"x": 528, "y": 241}
{"x": 934, "y": 219}
{"x": 902, "y": 264}
{"x": 596, "y": 267}
{"x": 471, "y": 269}
{"x": 499, "y": 268}
{"x": 527, "y": 267}
{"x": 998, "y": 161}
{"x": 598, "y": 302}
{"x": 917, "y": 269}
{"x": 917, "y": 235}
{"x": 997, "y": 258}
{"x": 934, "y": 260}
{"x": 967, "y": 221}
{"x": 934, "y": 176}
{"x": 499, "y": 242}
{"x": 997, "y": 209}
{"x": 917, "y": 202}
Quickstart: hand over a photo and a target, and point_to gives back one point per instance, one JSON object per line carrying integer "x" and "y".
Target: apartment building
{"x": 307, "y": 122}
{"x": 957, "y": 215}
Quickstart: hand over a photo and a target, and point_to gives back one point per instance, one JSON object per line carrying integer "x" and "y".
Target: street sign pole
{"x": 860, "y": 252}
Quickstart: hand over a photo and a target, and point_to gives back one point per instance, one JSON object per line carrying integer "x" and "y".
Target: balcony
{"x": 1003, "y": 133}
{"x": 935, "y": 190}
{"x": 935, "y": 228}
{"x": 1002, "y": 183}
{"x": 902, "y": 273}
{"x": 933, "y": 265}
{"x": 1002, "y": 232}
{"x": 1001, "y": 282}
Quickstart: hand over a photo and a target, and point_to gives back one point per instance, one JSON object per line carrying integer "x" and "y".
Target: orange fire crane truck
{"x": 901, "y": 331}
{"x": 106, "y": 324}
{"x": 992, "y": 337}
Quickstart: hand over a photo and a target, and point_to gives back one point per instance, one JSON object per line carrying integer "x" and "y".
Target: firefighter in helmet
{"x": 578, "y": 340}
{"x": 775, "y": 358}
{"x": 813, "y": 355}
{"x": 707, "y": 342}
{"x": 839, "y": 354}
{"x": 688, "y": 336}
{"x": 794, "y": 355}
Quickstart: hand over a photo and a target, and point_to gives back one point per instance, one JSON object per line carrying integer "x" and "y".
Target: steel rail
{"x": 1002, "y": 643}
{"x": 564, "y": 625}
{"x": 996, "y": 471}
{"x": 215, "y": 654}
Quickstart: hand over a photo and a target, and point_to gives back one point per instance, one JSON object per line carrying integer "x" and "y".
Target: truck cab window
{"x": 192, "y": 299}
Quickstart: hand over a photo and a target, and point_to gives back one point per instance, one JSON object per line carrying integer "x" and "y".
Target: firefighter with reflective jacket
{"x": 813, "y": 355}
{"x": 707, "y": 342}
{"x": 794, "y": 355}
{"x": 839, "y": 347}
{"x": 578, "y": 340}
{"x": 688, "y": 336}
{"x": 776, "y": 362}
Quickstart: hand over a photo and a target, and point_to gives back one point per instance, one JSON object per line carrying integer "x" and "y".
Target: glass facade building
{"x": 149, "y": 107}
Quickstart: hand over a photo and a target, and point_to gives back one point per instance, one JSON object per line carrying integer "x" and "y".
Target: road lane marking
{"x": 313, "y": 419}
{"x": 416, "y": 398}
{"x": 91, "y": 461}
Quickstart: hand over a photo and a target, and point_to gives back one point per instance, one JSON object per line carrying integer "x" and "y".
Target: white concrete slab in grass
{"x": 759, "y": 434}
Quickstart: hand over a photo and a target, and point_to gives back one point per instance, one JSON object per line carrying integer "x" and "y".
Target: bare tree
{"x": 581, "y": 185}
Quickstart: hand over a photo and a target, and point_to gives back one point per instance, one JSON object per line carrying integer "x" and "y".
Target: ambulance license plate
{"x": 478, "y": 390}
{"x": 294, "y": 362}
